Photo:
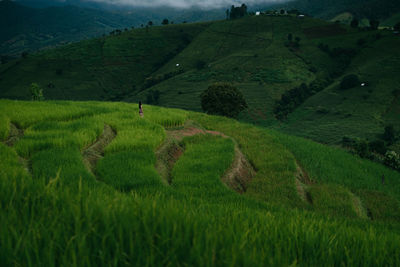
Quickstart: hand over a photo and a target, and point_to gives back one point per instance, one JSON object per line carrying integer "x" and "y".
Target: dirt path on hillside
{"x": 14, "y": 135}
{"x": 236, "y": 177}
{"x": 96, "y": 151}
{"x": 302, "y": 181}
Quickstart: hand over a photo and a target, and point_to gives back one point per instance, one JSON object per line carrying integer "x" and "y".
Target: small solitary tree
{"x": 165, "y": 22}
{"x": 223, "y": 99}
{"x": 36, "y": 92}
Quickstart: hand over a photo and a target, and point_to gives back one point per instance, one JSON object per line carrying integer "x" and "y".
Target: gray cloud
{"x": 187, "y": 3}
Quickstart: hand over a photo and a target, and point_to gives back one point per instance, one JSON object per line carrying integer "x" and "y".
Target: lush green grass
{"x": 364, "y": 178}
{"x": 124, "y": 214}
{"x": 4, "y": 127}
{"x": 198, "y": 172}
{"x": 392, "y": 20}
{"x": 275, "y": 165}
{"x": 252, "y": 53}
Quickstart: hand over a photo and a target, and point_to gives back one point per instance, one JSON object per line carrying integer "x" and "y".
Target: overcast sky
{"x": 187, "y": 3}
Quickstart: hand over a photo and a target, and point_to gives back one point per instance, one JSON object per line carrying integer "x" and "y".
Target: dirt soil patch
{"x": 96, "y": 151}
{"x": 302, "y": 181}
{"x": 14, "y": 135}
{"x": 236, "y": 177}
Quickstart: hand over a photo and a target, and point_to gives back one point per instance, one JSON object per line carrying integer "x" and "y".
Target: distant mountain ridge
{"x": 327, "y": 9}
{"x": 34, "y": 25}
{"x": 24, "y": 28}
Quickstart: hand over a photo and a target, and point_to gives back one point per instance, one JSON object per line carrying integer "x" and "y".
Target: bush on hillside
{"x": 397, "y": 26}
{"x": 373, "y": 24}
{"x": 349, "y": 81}
{"x": 378, "y": 146}
{"x": 223, "y": 99}
{"x": 362, "y": 149}
{"x": 36, "y": 92}
{"x": 354, "y": 23}
{"x": 294, "y": 97}
{"x": 389, "y": 135}
{"x": 392, "y": 159}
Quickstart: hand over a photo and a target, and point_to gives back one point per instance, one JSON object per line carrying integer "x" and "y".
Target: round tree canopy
{"x": 223, "y": 99}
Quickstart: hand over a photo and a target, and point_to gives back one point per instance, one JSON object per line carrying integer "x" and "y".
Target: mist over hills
{"x": 46, "y": 24}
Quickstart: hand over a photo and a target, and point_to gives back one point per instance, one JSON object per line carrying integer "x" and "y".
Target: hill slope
{"x": 29, "y": 29}
{"x": 82, "y": 175}
{"x": 178, "y": 62}
{"x": 371, "y": 9}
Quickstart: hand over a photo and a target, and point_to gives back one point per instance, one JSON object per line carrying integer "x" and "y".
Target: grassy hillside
{"x": 177, "y": 62}
{"x": 79, "y": 186}
{"x": 371, "y": 9}
{"x": 360, "y": 111}
{"x": 29, "y": 29}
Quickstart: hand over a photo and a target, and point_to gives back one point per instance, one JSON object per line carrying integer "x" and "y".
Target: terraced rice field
{"x": 89, "y": 183}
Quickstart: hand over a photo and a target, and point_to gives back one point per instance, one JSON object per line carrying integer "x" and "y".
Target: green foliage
{"x": 36, "y": 92}
{"x": 373, "y": 24}
{"x": 293, "y": 98}
{"x": 165, "y": 22}
{"x": 223, "y": 99}
{"x": 396, "y": 27}
{"x": 349, "y": 81}
{"x": 238, "y": 12}
{"x": 129, "y": 217}
{"x": 153, "y": 97}
{"x": 129, "y": 170}
{"x": 362, "y": 149}
{"x": 389, "y": 135}
{"x": 4, "y": 127}
{"x": 378, "y": 146}
{"x": 198, "y": 172}
{"x": 354, "y": 23}
{"x": 392, "y": 159}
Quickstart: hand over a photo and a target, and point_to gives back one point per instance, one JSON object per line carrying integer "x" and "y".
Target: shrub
{"x": 362, "y": 149}
{"x": 389, "y": 135}
{"x": 349, "y": 81}
{"x": 397, "y": 26}
{"x": 36, "y": 92}
{"x": 377, "y": 146}
{"x": 354, "y": 23}
{"x": 392, "y": 159}
{"x": 348, "y": 142}
{"x": 223, "y": 99}
{"x": 374, "y": 24}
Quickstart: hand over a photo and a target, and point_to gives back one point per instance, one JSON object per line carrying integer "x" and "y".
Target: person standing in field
{"x": 140, "y": 109}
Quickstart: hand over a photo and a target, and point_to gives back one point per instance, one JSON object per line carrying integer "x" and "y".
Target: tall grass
{"x": 62, "y": 216}
{"x": 52, "y": 225}
{"x": 275, "y": 165}
{"x": 198, "y": 172}
{"x": 4, "y": 127}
